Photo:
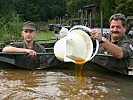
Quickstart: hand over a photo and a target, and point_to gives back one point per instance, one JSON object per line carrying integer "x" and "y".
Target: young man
{"x": 117, "y": 44}
{"x": 31, "y": 60}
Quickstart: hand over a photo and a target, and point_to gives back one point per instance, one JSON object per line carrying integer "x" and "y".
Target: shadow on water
{"x": 53, "y": 84}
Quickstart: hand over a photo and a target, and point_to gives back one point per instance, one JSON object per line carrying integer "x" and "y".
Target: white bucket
{"x": 60, "y": 48}
{"x": 77, "y": 46}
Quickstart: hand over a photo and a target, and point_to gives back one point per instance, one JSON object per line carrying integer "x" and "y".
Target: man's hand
{"x": 31, "y": 53}
{"x": 95, "y": 34}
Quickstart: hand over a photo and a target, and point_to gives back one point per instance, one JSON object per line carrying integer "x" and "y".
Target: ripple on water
{"x": 67, "y": 85}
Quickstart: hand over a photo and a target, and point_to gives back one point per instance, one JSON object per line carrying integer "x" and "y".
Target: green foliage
{"x": 40, "y": 10}
{"x": 5, "y": 8}
{"x": 11, "y": 29}
{"x": 107, "y": 8}
{"x": 73, "y": 6}
{"x": 26, "y": 9}
{"x": 124, "y": 6}
{"x": 14, "y": 12}
{"x": 57, "y": 8}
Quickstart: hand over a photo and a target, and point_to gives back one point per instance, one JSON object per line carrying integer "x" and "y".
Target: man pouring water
{"x": 116, "y": 44}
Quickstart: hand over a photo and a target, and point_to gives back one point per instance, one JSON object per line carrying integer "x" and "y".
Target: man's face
{"x": 116, "y": 29}
{"x": 28, "y": 35}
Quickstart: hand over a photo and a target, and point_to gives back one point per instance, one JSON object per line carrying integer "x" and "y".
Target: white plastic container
{"x": 77, "y": 46}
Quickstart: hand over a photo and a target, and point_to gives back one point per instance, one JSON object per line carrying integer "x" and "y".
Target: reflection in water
{"x": 18, "y": 84}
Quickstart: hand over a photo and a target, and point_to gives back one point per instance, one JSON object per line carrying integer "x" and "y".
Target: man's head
{"x": 117, "y": 26}
{"x": 28, "y": 31}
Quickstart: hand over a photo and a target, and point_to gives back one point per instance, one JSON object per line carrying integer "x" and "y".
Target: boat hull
{"x": 89, "y": 66}
{"x": 7, "y": 60}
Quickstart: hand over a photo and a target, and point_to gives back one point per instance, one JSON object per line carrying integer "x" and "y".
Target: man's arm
{"x": 31, "y": 53}
{"x": 113, "y": 49}
{"x": 13, "y": 49}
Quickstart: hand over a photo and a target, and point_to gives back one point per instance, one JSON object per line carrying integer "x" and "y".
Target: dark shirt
{"x": 31, "y": 63}
{"x": 119, "y": 65}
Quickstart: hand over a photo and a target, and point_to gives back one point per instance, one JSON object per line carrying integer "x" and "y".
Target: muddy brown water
{"x": 21, "y": 84}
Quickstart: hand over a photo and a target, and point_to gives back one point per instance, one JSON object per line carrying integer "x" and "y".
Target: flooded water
{"x": 20, "y": 84}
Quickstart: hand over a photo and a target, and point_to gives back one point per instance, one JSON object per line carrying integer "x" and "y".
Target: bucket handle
{"x": 80, "y": 26}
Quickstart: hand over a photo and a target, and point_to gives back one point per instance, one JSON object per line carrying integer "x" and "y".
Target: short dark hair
{"x": 119, "y": 16}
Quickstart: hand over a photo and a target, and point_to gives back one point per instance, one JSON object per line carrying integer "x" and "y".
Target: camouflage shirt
{"x": 119, "y": 65}
{"x": 27, "y": 62}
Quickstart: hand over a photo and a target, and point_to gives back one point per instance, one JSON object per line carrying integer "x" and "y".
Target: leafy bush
{"x": 10, "y": 30}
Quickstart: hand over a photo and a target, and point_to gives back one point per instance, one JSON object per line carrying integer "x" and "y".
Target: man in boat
{"x": 116, "y": 44}
{"x": 63, "y": 32}
{"x": 30, "y": 47}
